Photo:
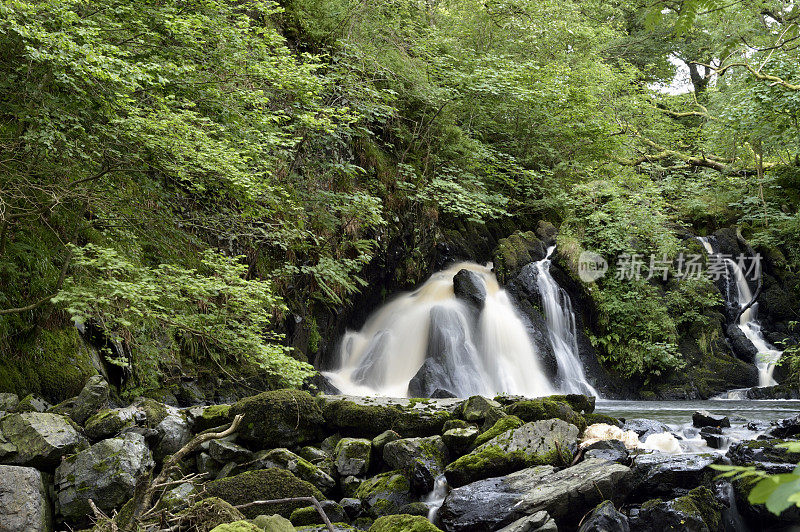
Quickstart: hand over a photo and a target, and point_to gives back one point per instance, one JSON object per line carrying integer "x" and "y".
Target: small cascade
{"x": 748, "y": 323}
{"x": 429, "y": 340}
{"x": 561, "y": 328}
{"x": 436, "y": 497}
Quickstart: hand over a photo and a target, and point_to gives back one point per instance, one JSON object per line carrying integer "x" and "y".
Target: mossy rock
{"x": 403, "y": 523}
{"x": 273, "y": 523}
{"x": 386, "y": 493}
{"x": 360, "y": 420}
{"x": 502, "y": 425}
{"x": 108, "y": 423}
{"x": 279, "y": 418}
{"x": 209, "y": 513}
{"x": 209, "y": 417}
{"x": 592, "y": 419}
{"x": 237, "y": 526}
{"x": 413, "y": 422}
{"x": 516, "y": 251}
{"x": 697, "y": 510}
{"x": 54, "y": 364}
{"x": 582, "y": 404}
{"x": 154, "y": 411}
{"x": 546, "y": 408}
{"x": 263, "y": 484}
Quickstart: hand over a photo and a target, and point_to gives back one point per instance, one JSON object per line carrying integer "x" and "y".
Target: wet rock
{"x": 439, "y": 393}
{"x": 23, "y": 500}
{"x": 740, "y": 345}
{"x": 380, "y": 441}
{"x": 779, "y": 391}
{"x": 38, "y": 439}
{"x": 32, "y": 403}
{"x": 610, "y": 450}
{"x": 352, "y": 507}
{"x": 279, "y": 417}
{"x": 226, "y": 451}
{"x": 352, "y": 417}
{"x": 459, "y": 440}
{"x": 386, "y": 493}
{"x": 785, "y": 428}
{"x": 207, "y": 465}
{"x": 703, "y": 418}
{"x": 106, "y": 473}
{"x": 8, "y": 402}
{"x": 546, "y": 408}
{"x": 423, "y": 459}
{"x": 172, "y": 434}
{"x": 697, "y": 511}
{"x": 659, "y": 474}
{"x": 765, "y": 454}
{"x": 108, "y": 423}
{"x": 645, "y": 427}
{"x": 263, "y": 484}
{"x": 350, "y": 485}
{"x": 469, "y": 287}
{"x": 353, "y": 456}
{"x": 414, "y": 508}
{"x": 714, "y": 437}
{"x": 758, "y": 425}
{"x": 549, "y": 441}
{"x": 177, "y": 498}
{"x": 477, "y": 407}
{"x": 202, "y": 418}
{"x": 314, "y": 454}
{"x": 93, "y": 398}
{"x": 309, "y": 515}
{"x": 301, "y": 468}
{"x": 605, "y": 518}
{"x": 538, "y": 522}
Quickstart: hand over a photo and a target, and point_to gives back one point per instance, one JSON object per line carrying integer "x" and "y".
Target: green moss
{"x": 403, "y": 523}
{"x": 54, "y": 364}
{"x": 578, "y": 402}
{"x": 305, "y": 516}
{"x": 546, "y": 408}
{"x": 385, "y": 493}
{"x": 701, "y": 502}
{"x": 209, "y": 513}
{"x": 237, "y": 526}
{"x": 491, "y": 461}
{"x": 591, "y": 419}
{"x": 106, "y": 423}
{"x": 155, "y": 411}
{"x": 213, "y": 416}
{"x": 279, "y": 418}
{"x": 514, "y": 252}
{"x": 417, "y": 422}
{"x": 263, "y": 484}
{"x": 502, "y": 425}
{"x": 360, "y": 420}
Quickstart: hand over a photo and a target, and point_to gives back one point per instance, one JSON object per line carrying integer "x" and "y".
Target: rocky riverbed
{"x": 378, "y": 464}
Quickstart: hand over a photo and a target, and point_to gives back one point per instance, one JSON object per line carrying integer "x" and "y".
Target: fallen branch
{"x": 312, "y": 500}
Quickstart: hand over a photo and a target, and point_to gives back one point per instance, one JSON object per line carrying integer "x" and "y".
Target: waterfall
{"x": 561, "y": 329}
{"x": 748, "y": 323}
{"x": 430, "y": 339}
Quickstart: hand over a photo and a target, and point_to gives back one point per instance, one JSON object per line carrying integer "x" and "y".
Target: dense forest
{"x": 198, "y": 197}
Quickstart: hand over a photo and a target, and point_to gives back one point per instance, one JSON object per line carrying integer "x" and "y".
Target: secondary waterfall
{"x": 560, "y": 318}
{"x": 748, "y": 323}
{"x": 464, "y": 351}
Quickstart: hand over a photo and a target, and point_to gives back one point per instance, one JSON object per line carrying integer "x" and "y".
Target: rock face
{"x": 107, "y": 473}
{"x": 764, "y": 453}
{"x": 423, "y": 459}
{"x": 605, "y": 518}
{"x": 786, "y": 428}
{"x": 542, "y": 442}
{"x": 23, "y": 500}
{"x": 38, "y": 439}
{"x": 698, "y": 511}
{"x": 173, "y": 433}
{"x": 610, "y": 450}
{"x": 468, "y": 286}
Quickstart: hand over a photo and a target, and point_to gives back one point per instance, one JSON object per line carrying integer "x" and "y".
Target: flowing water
{"x": 561, "y": 329}
{"x": 748, "y": 323}
{"x": 466, "y": 353}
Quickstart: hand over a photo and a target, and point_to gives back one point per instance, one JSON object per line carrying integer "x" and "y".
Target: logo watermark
{"x": 591, "y": 266}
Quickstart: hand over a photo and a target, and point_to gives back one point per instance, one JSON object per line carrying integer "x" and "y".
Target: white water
{"x": 436, "y": 497}
{"x": 561, "y": 328}
{"x": 748, "y": 323}
{"x": 487, "y": 355}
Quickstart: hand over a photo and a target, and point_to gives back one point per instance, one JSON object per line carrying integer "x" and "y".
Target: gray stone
{"x": 423, "y": 459}
{"x": 379, "y": 441}
{"x": 32, "y": 403}
{"x": 108, "y": 423}
{"x": 314, "y": 454}
{"x": 698, "y": 511}
{"x": 353, "y": 456}
{"x": 658, "y": 474}
{"x": 227, "y": 451}
{"x": 173, "y": 433}
{"x": 23, "y": 500}
{"x": 645, "y": 427}
{"x": 611, "y": 450}
{"x": 8, "y": 402}
{"x": 38, "y": 439}
{"x": 386, "y": 493}
{"x": 538, "y": 522}
{"x": 177, "y": 498}
{"x": 207, "y": 465}
{"x": 766, "y": 454}
{"x": 605, "y": 518}
{"x": 107, "y": 473}
{"x": 459, "y": 440}
{"x": 92, "y": 399}
{"x": 703, "y": 418}
{"x": 352, "y": 507}
{"x": 300, "y": 467}
{"x": 469, "y": 287}
{"x": 477, "y": 407}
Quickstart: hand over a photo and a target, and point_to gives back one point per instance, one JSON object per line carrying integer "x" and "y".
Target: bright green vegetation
{"x": 190, "y": 177}
{"x": 402, "y": 523}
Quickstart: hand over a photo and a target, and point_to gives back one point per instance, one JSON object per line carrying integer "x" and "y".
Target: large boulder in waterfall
{"x": 549, "y": 441}
{"x": 469, "y": 287}
{"x": 23, "y": 500}
{"x": 605, "y": 518}
{"x": 767, "y": 455}
{"x": 451, "y": 359}
{"x": 740, "y": 345}
{"x": 566, "y": 495}
{"x": 263, "y": 484}
{"x": 279, "y": 418}
{"x": 697, "y": 511}
{"x": 660, "y": 474}
{"x": 106, "y": 473}
{"x": 386, "y": 493}
{"x": 704, "y": 418}
{"x": 423, "y": 459}
{"x": 38, "y": 439}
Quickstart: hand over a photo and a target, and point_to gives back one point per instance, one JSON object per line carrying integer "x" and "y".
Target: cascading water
{"x": 748, "y": 323}
{"x": 561, "y": 328}
{"x": 465, "y": 351}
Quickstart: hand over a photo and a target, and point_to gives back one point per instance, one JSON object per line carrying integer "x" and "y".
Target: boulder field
{"x": 283, "y": 459}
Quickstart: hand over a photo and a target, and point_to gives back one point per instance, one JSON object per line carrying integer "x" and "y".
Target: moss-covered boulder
{"x": 696, "y": 511}
{"x": 263, "y": 484}
{"x": 202, "y": 418}
{"x": 551, "y": 441}
{"x": 423, "y": 459}
{"x": 546, "y": 408}
{"x": 593, "y": 419}
{"x": 301, "y": 468}
{"x": 459, "y": 440}
{"x": 582, "y": 404}
{"x": 504, "y": 424}
{"x": 279, "y": 418}
{"x": 33, "y": 403}
{"x": 38, "y": 439}
{"x": 110, "y": 422}
{"x": 24, "y": 503}
{"x": 403, "y": 523}
{"x": 420, "y": 421}
{"x": 516, "y": 251}
{"x": 273, "y": 523}
{"x": 309, "y": 515}
{"x": 207, "y": 514}
{"x": 476, "y": 408}
{"x": 362, "y": 420}
{"x": 386, "y": 493}
{"x": 352, "y": 456}
{"x": 237, "y": 526}
{"x": 8, "y": 402}
{"x": 379, "y": 441}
